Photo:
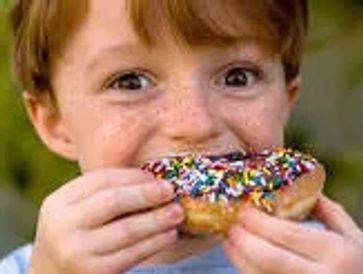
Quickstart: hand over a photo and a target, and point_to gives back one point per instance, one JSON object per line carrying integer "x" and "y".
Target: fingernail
{"x": 172, "y": 235}
{"x": 175, "y": 213}
{"x": 167, "y": 190}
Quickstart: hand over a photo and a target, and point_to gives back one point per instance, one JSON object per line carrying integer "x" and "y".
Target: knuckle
{"x": 158, "y": 220}
{"x": 128, "y": 233}
{"x": 153, "y": 193}
{"x": 67, "y": 256}
{"x": 113, "y": 199}
{"x": 49, "y": 218}
{"x": 290, "y": 236}
{"x": 48, "y": 205}
{"x": 138, "y": 253}
{"x": 147, "y": 193}
{"x": 167, "y": 216}
{"x": 159, "y": 217}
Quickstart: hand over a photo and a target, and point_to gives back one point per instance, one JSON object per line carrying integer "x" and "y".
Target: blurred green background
{"x": 328, "y": 121}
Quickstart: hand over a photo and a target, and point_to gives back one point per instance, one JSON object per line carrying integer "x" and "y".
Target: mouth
{"x": 230, "y": 151}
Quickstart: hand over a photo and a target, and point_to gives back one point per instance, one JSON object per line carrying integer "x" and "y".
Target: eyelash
{"x": 118, "y": 77}
{"x": 251, "y": 73}
{"x": 255, "y": 73}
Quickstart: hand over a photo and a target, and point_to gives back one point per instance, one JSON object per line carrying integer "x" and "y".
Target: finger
{"x": 121, "y": 261}
{"x": 336, "y": 218}
{"x": 92, "y": 182}
{"x": 305, "y": 241}
{"x": 113, "y": 203}
{"x": 127, "y": 231}
{"x": 241, "y": 264}
{"x": 267, "y": 256}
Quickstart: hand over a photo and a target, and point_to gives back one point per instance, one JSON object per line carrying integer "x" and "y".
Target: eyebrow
{"x": 130, "y": 50}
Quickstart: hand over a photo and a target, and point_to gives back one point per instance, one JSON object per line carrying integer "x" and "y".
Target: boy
{"x": 112, "y": 84}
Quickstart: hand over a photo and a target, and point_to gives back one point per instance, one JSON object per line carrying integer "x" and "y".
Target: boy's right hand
{"x": 104, "y": 222}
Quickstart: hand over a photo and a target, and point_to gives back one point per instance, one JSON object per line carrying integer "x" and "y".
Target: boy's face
{"x": 121, "y": 103}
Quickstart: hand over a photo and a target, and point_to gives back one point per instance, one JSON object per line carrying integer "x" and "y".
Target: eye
{"x": 240, "y": 77}
{"x": 130, "y": 81}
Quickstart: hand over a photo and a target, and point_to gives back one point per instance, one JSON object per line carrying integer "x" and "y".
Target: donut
{"x": 212, "y": 188}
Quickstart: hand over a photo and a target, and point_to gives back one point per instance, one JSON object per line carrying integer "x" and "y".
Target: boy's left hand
{"x": 260, "y": 243}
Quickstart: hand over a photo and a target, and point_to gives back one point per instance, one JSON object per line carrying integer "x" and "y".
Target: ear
{"x": 293, "y": 87}
{"x": 49, "y": 124}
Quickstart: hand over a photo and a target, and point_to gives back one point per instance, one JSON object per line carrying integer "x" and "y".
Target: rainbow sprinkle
{"x": 249, "y": 176}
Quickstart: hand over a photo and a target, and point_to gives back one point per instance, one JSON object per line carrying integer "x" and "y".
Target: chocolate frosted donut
{"x": 211, "y": 189}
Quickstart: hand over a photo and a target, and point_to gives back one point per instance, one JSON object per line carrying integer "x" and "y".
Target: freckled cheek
{"x": 115, "y": 142}
{"x": 258, "y": 125}
{"x": 268, "y": 131}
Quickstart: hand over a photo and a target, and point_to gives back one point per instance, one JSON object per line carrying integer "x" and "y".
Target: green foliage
{"x": 24, "y": 161}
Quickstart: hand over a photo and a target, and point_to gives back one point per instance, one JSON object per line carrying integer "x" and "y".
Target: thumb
{"x": 336, "y": 218}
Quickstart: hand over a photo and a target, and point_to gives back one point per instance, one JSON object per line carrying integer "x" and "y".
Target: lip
{"x": 215, "y": 151}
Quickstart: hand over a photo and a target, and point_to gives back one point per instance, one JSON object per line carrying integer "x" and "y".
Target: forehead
{"x": 112, "y": 32}
{"x": 193, "y": 24}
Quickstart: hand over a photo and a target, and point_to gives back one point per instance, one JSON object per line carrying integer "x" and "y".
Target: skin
{"x": 114, "y": 216}
{"x": 255, "y": 249}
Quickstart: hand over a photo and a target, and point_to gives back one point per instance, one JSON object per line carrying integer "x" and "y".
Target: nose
{"x": 189, "y": 118}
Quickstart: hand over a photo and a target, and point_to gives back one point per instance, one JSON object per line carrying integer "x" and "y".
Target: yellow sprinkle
{"x": 266, "y": 171}
{"x": 245, "y": 176}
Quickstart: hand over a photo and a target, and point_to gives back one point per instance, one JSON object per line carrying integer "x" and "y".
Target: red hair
{"x": 42, "y": 28}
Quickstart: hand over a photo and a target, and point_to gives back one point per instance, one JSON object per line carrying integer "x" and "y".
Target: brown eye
{"x": 130, "y": 81}
{"x": 240, "y": 77}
